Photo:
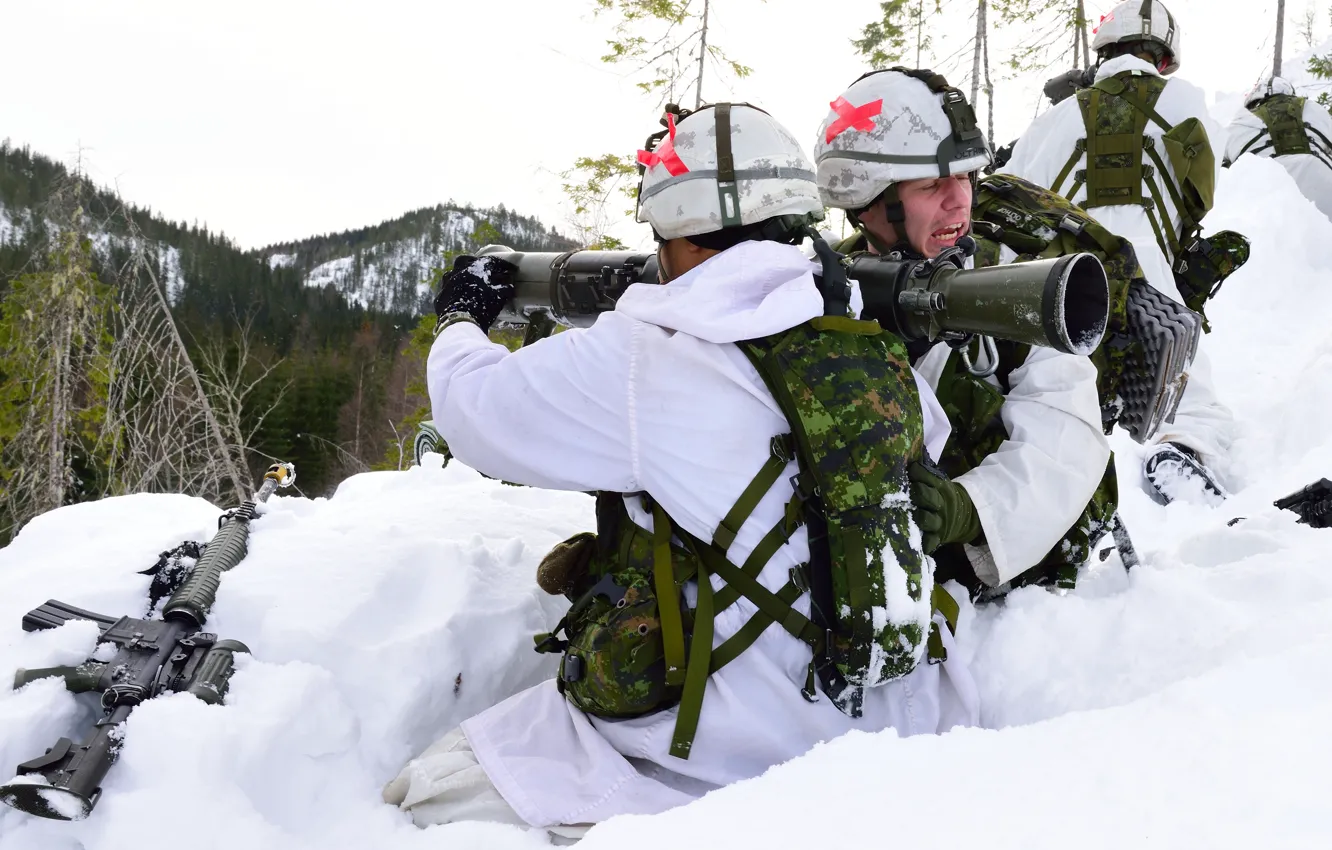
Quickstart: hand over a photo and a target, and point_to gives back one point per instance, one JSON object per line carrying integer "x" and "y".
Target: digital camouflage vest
{"x": 633, "y": 646}
{"x": 1285, "y": 132}
{"x": 1121, "y": 158}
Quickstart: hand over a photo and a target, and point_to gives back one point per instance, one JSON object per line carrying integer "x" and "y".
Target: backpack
{"x": 1286, "y": 130}
{"x": 631, "y": 644}
{"x": 1115, "y": 112}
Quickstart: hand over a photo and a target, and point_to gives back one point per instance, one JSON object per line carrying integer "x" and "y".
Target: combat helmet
{"x": 1145, "y": 22}
{"x": 725, "y": 171}
{"x": 890, "y": 126}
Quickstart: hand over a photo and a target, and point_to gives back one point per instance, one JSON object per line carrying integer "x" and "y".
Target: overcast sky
{"x": 278, "y": 119}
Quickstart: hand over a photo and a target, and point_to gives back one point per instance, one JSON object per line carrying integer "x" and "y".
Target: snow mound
{"x": 378, "y": 619}
{"x": 1181, "y": 705}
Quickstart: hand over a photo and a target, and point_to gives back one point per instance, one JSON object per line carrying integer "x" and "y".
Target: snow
{"x": 9, "y": 231}
{"x": 396, "y": 275}
{"x": 1183, "y": 704}
{"x": 393, "y": 275}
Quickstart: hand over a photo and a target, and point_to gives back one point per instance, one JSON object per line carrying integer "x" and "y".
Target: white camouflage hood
{"x": 751, "y": 290}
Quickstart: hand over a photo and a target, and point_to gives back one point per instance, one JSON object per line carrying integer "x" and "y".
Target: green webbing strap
{"x": 700, "y": 661}
{"x": 782, "y": 450}
{"x": 846, "y": 325}
{"x": 1251, "y": 143}
{"x": 1156, "y": 228}
{"x": 772, "y": 606}
{"x": 758, "y": 559}
{"x": 1077, "y": 184}
{"x": 1078, "y": 150}
{"x": 1263, "y": 147}
{"x": 743, "y": 639}
{"x": 727, "y": 194}
{"x": 1155, "y": 189}
{"x": 668, "y": 598}
{"x": 1312, "y": 129}
{"x": 855, "y": 564}
{"x": 943, "y": 602}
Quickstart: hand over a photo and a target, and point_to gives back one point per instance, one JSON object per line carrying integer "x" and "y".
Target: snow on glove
{"x": 944, "y": 511}
{"x": 476, "y": 287}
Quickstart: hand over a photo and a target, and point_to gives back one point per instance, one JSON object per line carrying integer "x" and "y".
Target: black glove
{"x": 479, "y": 287}
{"x": 944, "y": 511}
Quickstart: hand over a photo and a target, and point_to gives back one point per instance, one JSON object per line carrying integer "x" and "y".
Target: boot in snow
{"x": 1174, "y": 472}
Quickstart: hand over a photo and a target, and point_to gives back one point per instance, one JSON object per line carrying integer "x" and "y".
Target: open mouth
{"x": 950, "y": 233}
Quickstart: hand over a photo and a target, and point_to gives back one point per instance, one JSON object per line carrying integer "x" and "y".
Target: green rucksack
{"x": 632, "y": 646}
{"x": 1115, "y": 112}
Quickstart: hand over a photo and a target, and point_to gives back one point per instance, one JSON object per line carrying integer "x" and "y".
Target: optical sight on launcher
{"x": 1061, "y": 303}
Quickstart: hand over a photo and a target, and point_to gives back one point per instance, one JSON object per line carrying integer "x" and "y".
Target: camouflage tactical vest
{"x": 1285, "y": 131}
{"x": 633, "y": 646}
{"x": 1121, "y": 158}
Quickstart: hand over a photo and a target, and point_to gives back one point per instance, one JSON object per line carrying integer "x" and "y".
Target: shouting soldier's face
{"x": 937, "y": 210}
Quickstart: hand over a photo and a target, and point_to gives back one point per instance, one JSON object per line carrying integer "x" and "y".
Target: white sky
{"x": 279, "y": 119}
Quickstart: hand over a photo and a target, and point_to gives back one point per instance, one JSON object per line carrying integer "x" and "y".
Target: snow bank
{"x": 1181, "y": 705}
{"x": 378, "y": 618}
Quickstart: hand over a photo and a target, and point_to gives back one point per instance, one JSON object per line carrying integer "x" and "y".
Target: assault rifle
{"x": 167, "y": 654}
{"x": 1313, "y": 504}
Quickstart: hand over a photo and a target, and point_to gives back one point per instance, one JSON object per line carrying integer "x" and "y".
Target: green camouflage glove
{"x": 944, "y": 511}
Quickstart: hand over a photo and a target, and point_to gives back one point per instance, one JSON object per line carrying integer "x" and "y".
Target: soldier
{"x": 1293, "y": 130}
{"x": 1134, "y": 150}
{"x": 900, "y": 152}
{"x": 701, "y": 449}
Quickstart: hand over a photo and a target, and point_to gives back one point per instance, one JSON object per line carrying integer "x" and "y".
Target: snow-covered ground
{"x": 1182, "y": 705}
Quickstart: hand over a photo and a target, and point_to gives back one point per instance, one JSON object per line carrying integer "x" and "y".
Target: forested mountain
{"x": 388, "y": 267}
{"x": 301, "y": 351}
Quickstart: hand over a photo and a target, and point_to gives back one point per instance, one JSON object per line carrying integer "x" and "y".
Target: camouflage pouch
{"x": 847, "y": 390}
{"x": 1191, "y": 158}
{"x": 614, "y": 663}
{"x": 1204, "y": 265}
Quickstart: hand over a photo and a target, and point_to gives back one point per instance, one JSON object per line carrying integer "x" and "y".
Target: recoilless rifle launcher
{"x": 1062, "y": 303}
{"x": 167, "y": 654}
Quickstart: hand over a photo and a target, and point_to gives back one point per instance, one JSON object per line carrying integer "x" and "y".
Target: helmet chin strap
{"x": 895, "y": 214}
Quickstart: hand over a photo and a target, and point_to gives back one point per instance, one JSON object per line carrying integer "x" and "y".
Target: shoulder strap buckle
{"x": 783, "y": 447}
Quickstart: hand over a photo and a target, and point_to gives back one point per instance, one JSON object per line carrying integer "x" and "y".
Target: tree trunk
{"x": 920, "y": 29}
{"x": 976, "y": 55}
{"x": 1280, "y": 36}
{"x": 702, "y": 55}
{"x": 239, "y": 481}
{"x": 989, "y": 86}
{"x": 1082, "y": 34}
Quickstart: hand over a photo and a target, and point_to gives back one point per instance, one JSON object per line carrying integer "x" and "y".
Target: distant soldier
{"x": 1134, "y": 150}
{"x": 1293, "y": 130}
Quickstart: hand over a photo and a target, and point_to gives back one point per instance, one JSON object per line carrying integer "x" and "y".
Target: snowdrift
{"x": 1181, "y": 705}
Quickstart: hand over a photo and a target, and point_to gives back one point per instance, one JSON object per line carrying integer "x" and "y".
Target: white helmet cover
{"x": 692, "y": 186}
{"x": 1267, "y": 88}
{"x": 1140, "y": 20}
{"x": 891, "y": 126}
